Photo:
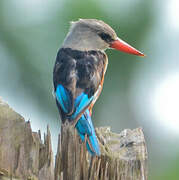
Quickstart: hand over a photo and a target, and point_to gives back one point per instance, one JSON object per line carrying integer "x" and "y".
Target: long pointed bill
{"x": 124, "y": 47}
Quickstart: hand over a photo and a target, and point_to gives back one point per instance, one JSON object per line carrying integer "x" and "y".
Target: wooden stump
{"x": 23, "y": 155}
{"x": 124, "y": 156}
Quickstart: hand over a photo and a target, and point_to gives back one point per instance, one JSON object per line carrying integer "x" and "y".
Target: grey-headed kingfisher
{"x": 79, "y": 71}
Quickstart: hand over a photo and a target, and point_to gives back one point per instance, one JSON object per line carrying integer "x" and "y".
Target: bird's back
{"x": 79, "y": 71}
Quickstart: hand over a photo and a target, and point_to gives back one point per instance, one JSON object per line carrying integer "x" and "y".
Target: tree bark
{"x": 24, "y": 156}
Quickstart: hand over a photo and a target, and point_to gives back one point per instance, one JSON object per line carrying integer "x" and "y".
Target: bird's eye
{"x": 106, "y": 37}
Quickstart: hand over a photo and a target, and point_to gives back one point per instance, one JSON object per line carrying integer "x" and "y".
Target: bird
{"x": 79, "y": 71}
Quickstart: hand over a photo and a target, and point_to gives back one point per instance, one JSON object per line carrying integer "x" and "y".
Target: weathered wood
{"x": 124, "y": 156}
{"x": 22, "y": 153}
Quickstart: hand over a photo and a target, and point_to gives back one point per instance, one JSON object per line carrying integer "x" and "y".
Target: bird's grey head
{"x": 89, "y": 34}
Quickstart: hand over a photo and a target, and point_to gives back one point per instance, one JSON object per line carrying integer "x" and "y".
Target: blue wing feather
{"x": 81, "y": 102}
{"x": 63, "y": 98}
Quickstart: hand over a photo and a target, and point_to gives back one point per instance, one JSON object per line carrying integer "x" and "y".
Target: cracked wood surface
{"x": 23, "y": 155}
{"x": 123, "y": 156}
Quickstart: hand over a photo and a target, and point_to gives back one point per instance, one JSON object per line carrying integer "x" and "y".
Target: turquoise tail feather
{"x": 84, "y": 127}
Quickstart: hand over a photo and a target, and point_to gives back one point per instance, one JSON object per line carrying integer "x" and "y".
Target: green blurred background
{"x": 137, "y": 91}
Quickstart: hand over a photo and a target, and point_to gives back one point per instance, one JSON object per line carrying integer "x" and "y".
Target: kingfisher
{"x": 78, "y": 74}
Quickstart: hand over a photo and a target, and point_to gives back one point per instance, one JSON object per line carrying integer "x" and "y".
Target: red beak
{"x": 124, "y": 47}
